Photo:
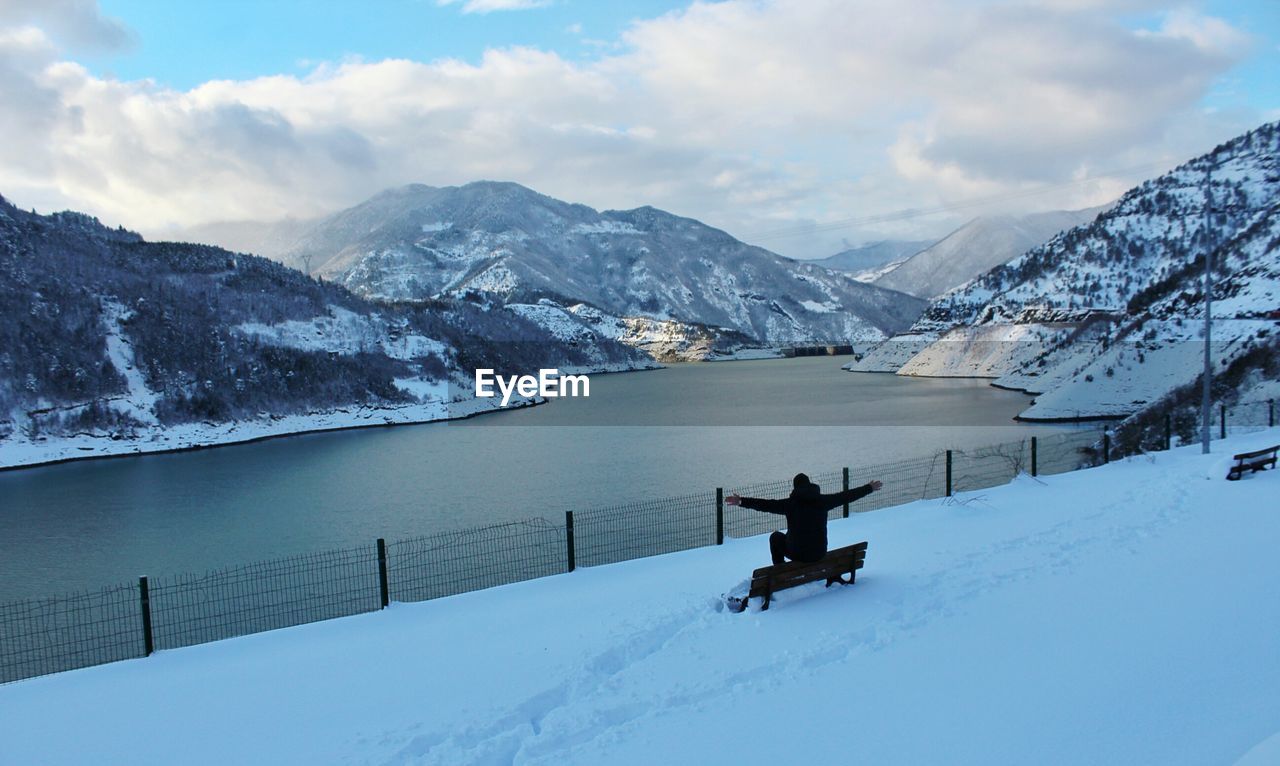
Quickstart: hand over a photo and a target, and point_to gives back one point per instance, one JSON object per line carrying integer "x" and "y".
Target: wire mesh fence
{"x": 1246, "y": 417}
{"x": 449, "y": 563}
{"x": 50, "y": 635}
{"x": 191, "y": 609}
{"x": 650, "y": 528}
{"x": 44, "y": 636}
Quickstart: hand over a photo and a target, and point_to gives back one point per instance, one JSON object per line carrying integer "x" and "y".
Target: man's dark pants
{"x": 778, "y": 547}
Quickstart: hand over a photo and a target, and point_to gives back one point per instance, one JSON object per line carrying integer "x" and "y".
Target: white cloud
{"x": 77, "y": 23}
{"x": 750, "y": 115}
{"x": 488, "y": 6}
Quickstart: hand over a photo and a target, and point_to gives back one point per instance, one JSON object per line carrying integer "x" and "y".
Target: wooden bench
{"x": 1252, "y": 461}
{"x": 833, "y": 567}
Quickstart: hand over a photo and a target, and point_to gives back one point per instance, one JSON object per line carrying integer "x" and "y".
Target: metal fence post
{"x": 1168, "y": 431}
{"x": 1106, "y": 446}
{"x": 719, "y": 515}
{"x": 383, "y": 588}
{"x": 1035, "y": 457}
{"x": 1222, "y": 421}
{"x": 148, "y": 639}
{"x": 948, "y": 473}
{"x": 846, "y": 489}
{"x": 568, "y": 537}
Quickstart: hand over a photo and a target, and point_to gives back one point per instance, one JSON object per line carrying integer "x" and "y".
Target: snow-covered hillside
{"x": 873, "y": 255}
{"x": 1154, "y": 233}
{"x": 977, "y": 247}
{"x": 1123, "y": 614}
{"x": 112, "y": 345}
{"x": 510, "y": 244}
{"x": 1115, "y": 308}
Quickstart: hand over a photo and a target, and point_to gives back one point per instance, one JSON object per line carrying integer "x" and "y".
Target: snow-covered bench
{"x": 1252, "y": 461}
{"x": 833, "y": 567}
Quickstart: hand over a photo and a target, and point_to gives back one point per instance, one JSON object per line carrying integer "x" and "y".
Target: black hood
{"x": 806, "y": 492}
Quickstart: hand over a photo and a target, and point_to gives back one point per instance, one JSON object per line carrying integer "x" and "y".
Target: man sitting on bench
{"x": 806, "y": 512}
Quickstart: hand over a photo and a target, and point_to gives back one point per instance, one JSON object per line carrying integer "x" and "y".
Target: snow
{"x": 1094, "y": 275}
{"x": 894, "y": 352}
{"x": 140, "y": 401}
{"x": 18, "y": 450}
{"x": 984, "y": 351}
{"x": 605, "y": 227}
{"x": 1124, "y": 614}
{"x": 425, "y": 390}
{"x": 495, "y": 279}
{"x": 1128, "y": 375}
{"x": 827, "y": 307}
{"x": 871, "y": 275}
{"x": 344, "y": 332}
{"x": 561, "y": 323}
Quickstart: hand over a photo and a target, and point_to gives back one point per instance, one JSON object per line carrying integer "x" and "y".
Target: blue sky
{"x": 183, "y": 44}
{"x": 1256, "y": 80}
{"x": 757, "y": 116}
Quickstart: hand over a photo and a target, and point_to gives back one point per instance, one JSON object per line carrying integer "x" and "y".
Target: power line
{"x": 909, "y": 213}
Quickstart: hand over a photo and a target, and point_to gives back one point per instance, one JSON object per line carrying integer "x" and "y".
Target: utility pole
{"x": 1210, "y": 239}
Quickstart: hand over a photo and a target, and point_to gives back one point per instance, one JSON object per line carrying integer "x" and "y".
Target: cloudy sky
{"x": 799, "y": 125}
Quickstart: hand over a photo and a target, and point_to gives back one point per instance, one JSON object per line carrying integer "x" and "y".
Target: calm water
{"x": 639, "y": 435}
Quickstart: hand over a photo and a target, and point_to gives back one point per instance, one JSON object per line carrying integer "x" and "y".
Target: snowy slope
{"x": 1117, "y": 304}
{"x": 977, "y": 247}
{"x": 1153, "y": 233}
{"x": 665, "y": 340}
{"x": 891, "y": 354}
{"x": 984, "y": 351}
{"x": 869, "y": 276}
{"x": 873, "y": 255}
{"x": 1124, "y": 614}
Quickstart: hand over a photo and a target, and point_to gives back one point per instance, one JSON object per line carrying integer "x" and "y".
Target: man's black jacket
{"x": 806, "y": 512}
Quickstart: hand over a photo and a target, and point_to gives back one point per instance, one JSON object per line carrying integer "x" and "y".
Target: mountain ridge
{"x": 872, "y": 255}
{"x": 977, "y": 247}
{"x": 501, "y": 241}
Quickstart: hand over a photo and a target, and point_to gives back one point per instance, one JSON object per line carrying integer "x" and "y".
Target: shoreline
{"x": 140, "y": 449}
{"x": 196, "y": 437}
{"x": 1072, "y": 418}
{"x": 1013, "y": 389}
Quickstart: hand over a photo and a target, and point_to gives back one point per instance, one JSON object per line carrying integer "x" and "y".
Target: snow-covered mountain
{"x": 873, "y": 255}
{"x": 975, "y": 248}
{"x": 504, "y": 243}
{"x": 112, "y": 344}
{"x": 1106, "y": 318}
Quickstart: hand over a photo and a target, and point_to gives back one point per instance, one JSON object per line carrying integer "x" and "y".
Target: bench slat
{"x": 1245, "y": 462}
{"x": 779, "y": 573}
{"x": 782, "y": 583}
{"x": 859, "y": 550}
{"x": 766, "y": 581}
{"x": 1271, "y": 451}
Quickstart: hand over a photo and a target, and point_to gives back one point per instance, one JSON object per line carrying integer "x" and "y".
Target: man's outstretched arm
{"x": 758, "y": 503}
{"x": 838, "y": 499}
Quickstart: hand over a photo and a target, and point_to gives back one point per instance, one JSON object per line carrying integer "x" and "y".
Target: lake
{"x": 640, "y": 435}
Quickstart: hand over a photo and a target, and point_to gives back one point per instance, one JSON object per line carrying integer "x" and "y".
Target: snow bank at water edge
{"x": 890, "y": 355}
{"x": 1124, "y": 614}
{"x": 19, "y": 451}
